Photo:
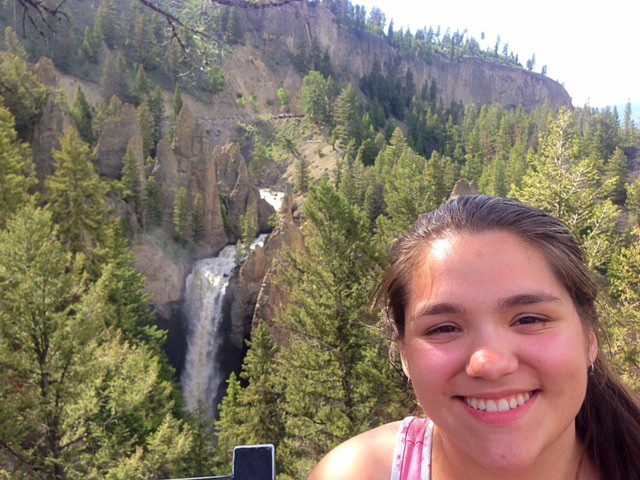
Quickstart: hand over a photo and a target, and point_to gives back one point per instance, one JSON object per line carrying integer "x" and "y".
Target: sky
{"x": 589, "y": 47}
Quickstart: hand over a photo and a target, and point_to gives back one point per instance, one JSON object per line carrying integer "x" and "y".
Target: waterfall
{"x": 203, "y": 312}
{"x": 272, "y": 197}
{"x": 204, "y": 297}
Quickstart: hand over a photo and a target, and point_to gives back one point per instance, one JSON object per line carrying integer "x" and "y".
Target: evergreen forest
{"x": 87, "y": 388}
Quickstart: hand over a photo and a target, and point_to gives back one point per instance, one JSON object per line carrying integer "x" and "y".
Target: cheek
{"x": 432, "y": 368}
{"x": 560, "y": 362}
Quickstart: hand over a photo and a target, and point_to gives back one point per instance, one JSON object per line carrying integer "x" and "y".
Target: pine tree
{"x": 633, "y": 199}
{"x": 24, "y": 95}
{"x": 132, "y": 181}
{"x": 77, "y": 397}
{"x": 114, "y": 78}
{"x": 568, "y": 187}
{"x": 248, "y": 233}
{"x": 615, "y": 176}
{"x": 108, "y": 26}
{"x": 301, "y": 179}
{"x": 82, "y": 116}
{"x": 75, "y": 194}
{"x": 144, "y": 115}
{"x": 233, "y": 414}
{"x": 197, "y": 219}
{"x": 89, "y": 47}
{"x": 313, "y": 98}
{"x": 156, "y": 104}
{"x": 176, "y": 106}
{"x": 146, "y": 50}
{"x": 17, "y": 173}
{"x": 285, "y": 99}
{"x": 348, "y": 118}
{"x": 154, "y": 211}
{"x": 181, "y": 217}
{"x": 410, "y": 188}
{"x": 623, "y": 322}
{"x": 204, "y": 447}
{"x": 141, "y": 86}
{"x": 333, "y": 372}
{"x": 13, "y": 45}
{"x": 251, "y": 415}
{"x": 628, "y": 125}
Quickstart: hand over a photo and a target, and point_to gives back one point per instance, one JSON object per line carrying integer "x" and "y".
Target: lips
{"x": 498, "y": 405}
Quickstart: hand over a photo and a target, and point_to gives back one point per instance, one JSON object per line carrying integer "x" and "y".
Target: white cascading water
{"x": 272, "y": 197}
{"x": 203, "y": 311}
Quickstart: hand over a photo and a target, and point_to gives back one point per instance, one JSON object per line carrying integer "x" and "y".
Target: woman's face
{"x": 495, "y": 351}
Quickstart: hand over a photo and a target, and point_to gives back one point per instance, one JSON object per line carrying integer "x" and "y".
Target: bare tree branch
{"x": 32, "y": 9}
{"x": 39, "y": 9}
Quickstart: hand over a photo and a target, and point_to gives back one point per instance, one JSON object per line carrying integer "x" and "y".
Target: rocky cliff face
{"x": 238, "y": 188}
{"x": 116, "y": 134}
{"x": 188, "y": 163}
{"x": 49, "y": 128}
{"x": 273, "y": 295}
{"x": 275, "y": 35}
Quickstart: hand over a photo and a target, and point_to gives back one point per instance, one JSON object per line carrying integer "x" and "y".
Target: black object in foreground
{"x": 250, "y": 462}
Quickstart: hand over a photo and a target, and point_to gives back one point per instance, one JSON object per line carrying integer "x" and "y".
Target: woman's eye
{"x": 530, "y": 320}
{"x": 442, "y": 330}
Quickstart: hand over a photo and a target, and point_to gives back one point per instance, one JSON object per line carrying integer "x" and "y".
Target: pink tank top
{"x": 412, "y": 454}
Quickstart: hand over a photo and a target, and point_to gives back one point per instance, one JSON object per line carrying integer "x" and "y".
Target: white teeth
{"x": 498, "y": 405}
{"x": 492, "y": 406}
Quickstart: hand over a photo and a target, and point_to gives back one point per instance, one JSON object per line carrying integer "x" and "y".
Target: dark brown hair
{"x": 608, "y": 422}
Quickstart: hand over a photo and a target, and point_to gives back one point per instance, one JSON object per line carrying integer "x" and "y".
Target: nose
{"x": 491, "y": 363}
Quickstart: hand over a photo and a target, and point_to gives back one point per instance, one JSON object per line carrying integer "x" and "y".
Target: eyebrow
{"x": 527, "y": 299}
{"x": 512, "y": 301}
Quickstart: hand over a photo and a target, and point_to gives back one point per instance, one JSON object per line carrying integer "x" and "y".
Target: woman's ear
{"x": 405, "y": 363}
{"x": 593, "y": 346}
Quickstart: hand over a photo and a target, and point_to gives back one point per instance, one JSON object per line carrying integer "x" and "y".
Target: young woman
{"x": 494, "y": 313}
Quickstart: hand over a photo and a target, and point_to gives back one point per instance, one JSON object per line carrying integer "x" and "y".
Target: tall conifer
{"x": 17, "y": 173}
{"x": 82, "y": 116}
{"x": 75, "y": 194}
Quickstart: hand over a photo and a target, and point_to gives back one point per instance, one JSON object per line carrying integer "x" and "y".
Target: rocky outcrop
{"x": 256, "y": 292}
{"x": 116, "y": 134}
{"x": 188, "y": 163}
{"x": 164, "y": 274}
{"x": 278, "y": 35}
{"x": 49, "y": 128}
{"x": 47, "y": 132}
{"x": 46, "y": 72}
{"x": 464, "y": 187}
{"x": 273, "y": 295}
{"x": 245, "y": 287}
{"x": 165, "y": 279}
{"x": 238, "y": 189}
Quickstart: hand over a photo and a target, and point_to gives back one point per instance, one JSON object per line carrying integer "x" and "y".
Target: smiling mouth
{"x": 496, "y": 405}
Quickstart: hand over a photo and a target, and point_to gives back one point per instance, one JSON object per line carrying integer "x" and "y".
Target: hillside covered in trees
{"x": 132, "y": 145}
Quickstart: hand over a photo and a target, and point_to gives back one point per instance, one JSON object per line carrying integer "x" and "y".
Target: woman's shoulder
{"x": 368, "y": 456}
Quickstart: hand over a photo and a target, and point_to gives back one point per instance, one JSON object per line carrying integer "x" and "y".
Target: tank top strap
{"x": 412, "y": 453}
